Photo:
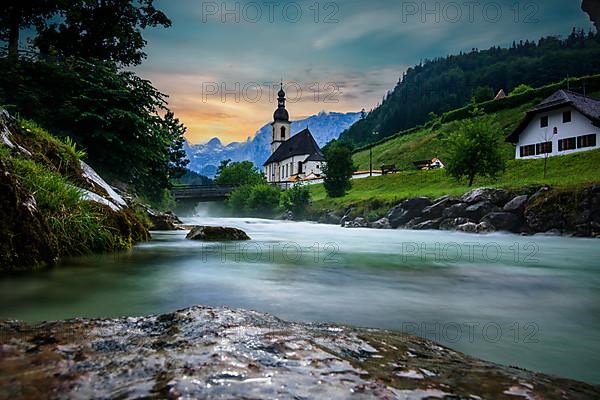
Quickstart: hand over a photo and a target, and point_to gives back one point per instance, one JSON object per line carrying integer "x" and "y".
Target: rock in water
{"x": 220, "y": 353}
{"x": 216, "y": 234}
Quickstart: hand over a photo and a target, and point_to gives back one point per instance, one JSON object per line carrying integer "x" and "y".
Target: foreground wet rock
{"x": 216, "y": 234}
{"x": 205, "y": 352}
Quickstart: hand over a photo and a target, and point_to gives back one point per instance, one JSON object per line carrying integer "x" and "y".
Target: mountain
{"x": 443, "y": 84}
{"x": 205, "y": 158}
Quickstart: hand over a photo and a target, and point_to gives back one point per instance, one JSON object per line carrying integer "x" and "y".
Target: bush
{"x": 263, "y": 200}
{"x": 260, "y": 200}
{"x": 521, "y": 89}
{"x": 296, "y": 200}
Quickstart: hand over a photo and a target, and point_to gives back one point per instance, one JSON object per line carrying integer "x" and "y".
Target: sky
{"x": 221, "y": 62}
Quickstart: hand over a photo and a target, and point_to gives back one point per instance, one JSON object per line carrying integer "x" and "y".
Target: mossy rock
{"x": 26, "y": 240}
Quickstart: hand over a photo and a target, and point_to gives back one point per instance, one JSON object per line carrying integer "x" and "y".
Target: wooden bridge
{"x": 202, "y": 193}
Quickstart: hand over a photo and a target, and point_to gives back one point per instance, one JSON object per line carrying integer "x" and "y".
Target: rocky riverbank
{"x": 485, "y": 210}
{"x": 222, "y": 353}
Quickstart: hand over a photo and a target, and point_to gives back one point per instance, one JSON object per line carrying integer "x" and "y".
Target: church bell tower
{"x": 281, "y": 122}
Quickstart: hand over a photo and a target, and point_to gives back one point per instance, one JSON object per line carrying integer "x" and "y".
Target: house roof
{"x": 301, "y": 143}
{"x": 588, "y": 106}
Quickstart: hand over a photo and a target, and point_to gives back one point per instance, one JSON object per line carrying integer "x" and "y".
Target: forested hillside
{"x": 443, "y": 84}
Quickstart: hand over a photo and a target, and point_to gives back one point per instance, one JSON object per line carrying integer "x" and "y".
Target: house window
{"x": 544, "y": 121}
{"x": 283, "y": 132}
{"x": 567, "y": 144}
{"x": 543, "y": 148}
{"x": 528, "y": 150}
{"x": 566, "y": 117}
{"x": 586, "y": 141}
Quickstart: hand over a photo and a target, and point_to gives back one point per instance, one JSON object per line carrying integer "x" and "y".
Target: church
{"x": 293, "y": 158}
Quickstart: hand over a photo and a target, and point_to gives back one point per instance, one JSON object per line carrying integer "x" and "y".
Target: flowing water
{"x": 533, "y": 302}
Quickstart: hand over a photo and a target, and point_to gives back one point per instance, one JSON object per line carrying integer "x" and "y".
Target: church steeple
{"x": 281, "y": 113}
{"x": 281, "y": 122}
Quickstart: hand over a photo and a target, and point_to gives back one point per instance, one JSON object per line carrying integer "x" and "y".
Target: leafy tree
{"x": 238, "y": 198}
{"x": 296, "y": 200}
{"x": 263, "y": 200}
{"x": 16, "y": 15}
{"x": 475, "y": 149}
{"x": 108, "y": 30}
{"x": 338, "y": 169}
{"x": 481, "y": 94}
{"x": 120, "y": 120}
{"x": 238, "y": 174}
{"x": 522, "y": 88}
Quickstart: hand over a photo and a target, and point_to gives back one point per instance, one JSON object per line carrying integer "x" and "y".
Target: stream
{"x": 532, "y": 302}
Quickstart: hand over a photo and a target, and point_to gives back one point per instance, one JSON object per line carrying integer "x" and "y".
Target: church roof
{"x": 301, "y": 143}
{"x": 588, "y": 106}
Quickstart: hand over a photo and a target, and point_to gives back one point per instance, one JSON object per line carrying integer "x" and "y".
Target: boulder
{"x": 469, "y": 227}
{"x": 332, "y": 218}
{"x": 428, "y": 225}
{"x": 163, "y": 221}
{"x": 478, "y": 210}
{"x": 360, "y": 222}
{"x": 347, "y": 217}
{"x": 496, "y": 196}
{"x": 225, "y": 353}
{"x": 383, "y": 223}
{"x": 216, "y": 234}
{"x": 437, "y": 208}
{"x": 407, "y": 210}
{"x": 455, "y": 211}
{"x": 412, "y": 223}
{"x": 485, "y": 227}
{"x": 503, "y": 221}
{"x": 516, "y": 205}
{"x": 450, "y": 224}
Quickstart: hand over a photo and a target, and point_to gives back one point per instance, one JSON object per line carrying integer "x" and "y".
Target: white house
{"x": 564, "y": 123}
{"x": 293, "y": 158}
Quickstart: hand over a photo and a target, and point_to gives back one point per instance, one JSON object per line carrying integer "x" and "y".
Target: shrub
{"x": 296, "y": 200}
{"x": 263, "y": 200}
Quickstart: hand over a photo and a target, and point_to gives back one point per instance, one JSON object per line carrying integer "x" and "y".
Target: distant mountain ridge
{"x": 205, "y": 158}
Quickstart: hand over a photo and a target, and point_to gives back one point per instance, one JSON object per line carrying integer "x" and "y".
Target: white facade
{"x": 566, "y": 135}
{"x": 292, "y": 166}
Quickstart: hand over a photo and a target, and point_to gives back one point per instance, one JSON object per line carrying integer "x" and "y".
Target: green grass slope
{"x": 567, "y": 171}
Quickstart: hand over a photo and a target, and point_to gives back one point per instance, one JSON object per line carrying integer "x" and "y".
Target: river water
{"x": 532, "y": 302}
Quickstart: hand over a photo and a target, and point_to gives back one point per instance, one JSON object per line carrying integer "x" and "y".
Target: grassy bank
{"x": 378, "y": 193}
{"x": 44, "y": 215}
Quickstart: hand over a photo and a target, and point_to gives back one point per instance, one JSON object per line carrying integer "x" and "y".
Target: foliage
{"x": 239, "y": 173}
{"x": 17, "y": 15}
{"x": 522, "y": 88}
{"x": 338, "y": 169}
{"x": 257, "y": 200}
{"x": 263, "y": 200}
{"x": 481, "y": 94}
{"x": 474, "y": 149}
{"x": 108, "y": 30}
{"x": 444, "y": 84}
{"x": 120, "y": 119}
{"x": 296, "y": 200}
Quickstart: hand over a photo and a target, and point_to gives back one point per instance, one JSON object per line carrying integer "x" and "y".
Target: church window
{"x": 283, "y": 132}
{"x": 299, "y": 167}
